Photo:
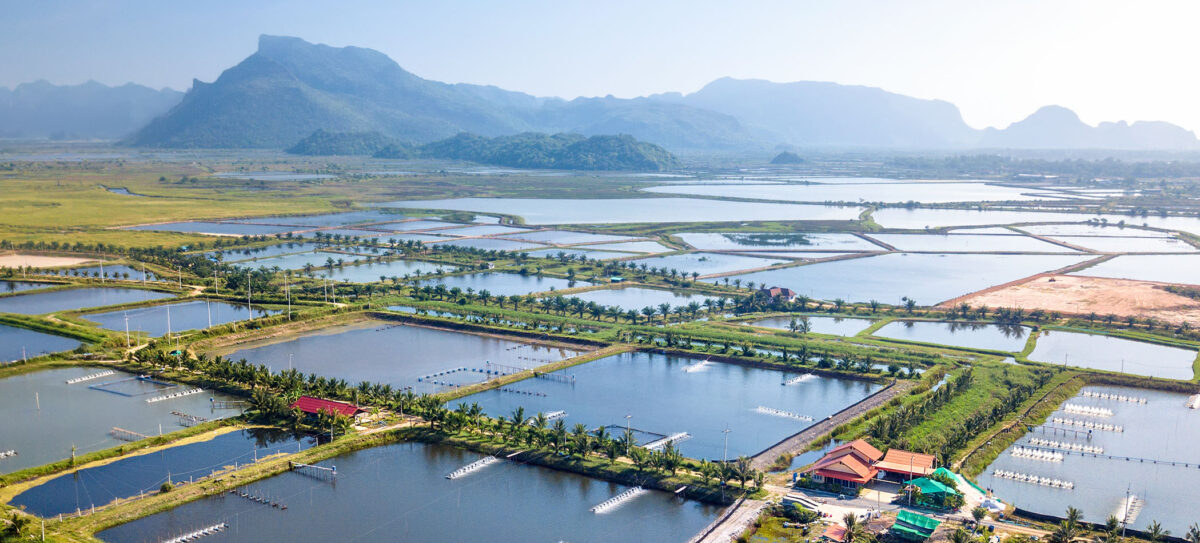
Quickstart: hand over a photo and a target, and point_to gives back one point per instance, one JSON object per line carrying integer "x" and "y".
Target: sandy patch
{"x": 1083, "y": 295}
{"x": 40, "y": 261}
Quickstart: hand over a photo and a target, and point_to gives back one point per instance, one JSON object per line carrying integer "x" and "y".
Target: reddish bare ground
{"x": 1083, "y": 295}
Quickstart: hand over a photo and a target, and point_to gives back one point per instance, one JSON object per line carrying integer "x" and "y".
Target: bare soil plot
{"x": 1083, "y": 295}
{"x": 40, "y": 261}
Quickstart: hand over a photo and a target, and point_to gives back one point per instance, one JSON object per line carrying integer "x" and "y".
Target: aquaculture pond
{"x": 836, "y": 326}
{"x": 233, "y": 255}
{"x": 665, "y": 395}
{"x": 973, "y": 243}
{"x": 707, "y": 263}
{"x": 488, "y": 244}
{"x": 400, "y": 493}
{"x": 217, "y": 228}
{"x": 21, "y": 286}
{"x": 399, "y": 355}
{"x": 298, "y": 261}
{"x": 1120, "y": 244}
{"x": 563, "y": 237}
{"x": 44, "y": 416}
{"x": 927, "y": 278}
{"x": 1155, "y": 458}
{"x": 1113, "y": 354}
{"x": 636, "y": 298}
{"x": 576, "y": 253}
{"x": 1091, "y": 230}
{"x": 635, "y": 210}
{"x": 1162, "y": 268}
{"x": 933, "y": 193}
{"x": 977, "y": 335}
{"x": 369, "y": 272}
{"x": 633, "y": 247}
{"x": 146, "y": 473}
{"x": 505, "y": 284}
{"x": 18, "y": 343}
{"x": 415, "y": 225}
{"x": 777, "y": 241}
{"x": 918, "y": 218}
{"x": 37, "y": 303}
{"x": 195, "y": 315}
{"x": 486, "y": 230}
{"x": 327, "y": 219}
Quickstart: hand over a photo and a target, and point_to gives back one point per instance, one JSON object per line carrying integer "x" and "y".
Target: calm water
{"x": 20, "y": 286}
{"x": 492, "y": 244}
{"x": 82, "y": 416}
{"x": 486, "y": 230}
{"x": 936, "y": 218}
{"x": 636, "y": 297}
{"x": 233, "y": 255}
{"x": 146, "y": 473}
{"x": 298, "y": 261}
{"x": 633, "y": 247}
{"x": 1163, "y": 268}
{"x": 19, "y": 342}
{"x": 707, "y": 263}
{"x": 837, "y": 326}
{"x": 415, "y": 225}
{"x": 369, "y": 272}
{"x": 662, "y": 398}
{"x": 398, "y": 354}
{"x": 504, "y": 284}
{"x": 969, "y": 243}
{"x": 779, "y": 241}
{"x": 194, "y": 315}
{"x": 400, "y": 493}
{"x": 1113, "y": 354}
{"x": 932, "y": 193}
{"x": 1090, "y": 230}
{"x": 563, "y": 237}
{"x": 1161, "y": 430}
{"x": 634, "y": 210}
{"x": 118, "y": 271}
{"x": 76, "y": 298}
{"x": 200, "y": 227}
{"x": 927, "y": 278}
{"x": 576, "y": 253}
{"x": 345, "y": 233}
{"x": 1129, "y": 244}
{"x": 995, "y": 337}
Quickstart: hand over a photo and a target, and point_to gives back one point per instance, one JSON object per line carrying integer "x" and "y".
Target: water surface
{"x": 76, "y": 298}
{"x": 504, "y": 284}
{"x": 369, "y": 272}
{"x": 194, "y": 315}
{"x": 1183, "y": 269}
{"x": 400, "y": 493}
{"x": 563, "y": 237}
{"x": 1129, "y": 244}
{"x": 707, "y": 263}
{"x": 836, "y": 326}
{"x": 777, "y": 241}
{"x": 996, "y": 337}
{"x": 932, "y": 193}
{"x": 21, "y": 286}
{"x": 17, "y": 343}
{"x": 975, "y": 243}
{"x": 636, "y": 298}
{"x": 1113, "y": 354}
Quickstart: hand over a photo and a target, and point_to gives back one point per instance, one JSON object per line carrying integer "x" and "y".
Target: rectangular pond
{"x": 1107, "y": 244}
{"x": 636, "y": 298}
{"x": 707, "y": 263}
{"x": 632, "y": 246}
{"x": 297, "y": 261}
{"x": 76, "y": 298}
{"x": 327, "y": 219}
{"x": 193, "y": 315}
{"x": 664, "y": 395}
{"x": 488, "y": 244}
{"x": 576, "y": 253}
{"x": 835, "y": 326}
{"x": 400, "y": 493}
{"x": 400, "y": 355}
{"x": 969, "y": 243}
{"x": 414, "y": 225}
{"x": 234, "y": 255}
{"x": 918, "y": 218}
{"x": 900, "y": 192}
{"x": 486, "y": 230}
{"x": 927, "y": 278}
{"x": 18, "y": 343}
{"x": 777, "y": 241}
{"x": 1113, "y": 354}
{"x": 504, "y": 284}
{"x": 563, "y": 237}
{"x": 1156, "y": 458}
{"x": 145, "y": 473}
{"x": 635, "y": 210}
{"x": 1184, "y": 269}
{"x": 977, "y": 335}
{"x": 1091, "y": 230}
{"x": 117, "y": 271}
{"x": 370, "y": 272}
{"x": 21, "y": 286}
{"x": 44, "y": 416}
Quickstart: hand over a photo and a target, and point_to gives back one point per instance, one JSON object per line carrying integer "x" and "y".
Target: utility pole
{"x": 127, "y": 330}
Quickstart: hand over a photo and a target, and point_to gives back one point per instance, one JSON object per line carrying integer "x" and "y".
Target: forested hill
{"x": 527, "y": 150}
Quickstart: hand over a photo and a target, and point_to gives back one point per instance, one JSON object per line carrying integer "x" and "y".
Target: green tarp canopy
{"x": 909, "y": 533}
{"x": 931, "y": 487}
{"x": 912, "y": 522}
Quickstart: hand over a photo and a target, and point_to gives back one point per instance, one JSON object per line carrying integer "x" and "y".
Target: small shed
{"x": 914, "y": 527}
{"x": 313, "y": 406}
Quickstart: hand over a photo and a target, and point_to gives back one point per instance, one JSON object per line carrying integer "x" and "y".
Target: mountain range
{"x": 289, "y": 88}
{"x": 89, "y": 110}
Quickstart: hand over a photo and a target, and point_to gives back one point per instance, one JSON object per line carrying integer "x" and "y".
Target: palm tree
{"x": 1156, "y": 533}
{"x": 855, "y": 529}
{"x": 1193, "y": 535}
{"x": 959, "y": 536}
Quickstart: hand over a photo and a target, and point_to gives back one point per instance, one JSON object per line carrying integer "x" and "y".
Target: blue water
{"x": 1113, "y": 354}
{"x": 77, "y": 298}
{"x": 399, "y": 493}
{"x": 192, "y": 315}
{"x": 838, "y": 326}
{"x": 504, "y": 284}
{"x": 119, "y": 271}
{"x": 636, "y": 298}
{"x": 133, "y": 475}
{"x": 662, "y": 398}
{"x": 18, "y": 342}
{"x": 21, "y": 286}
{"x": 995, "y": 337}
{"x": 370, "y": 272}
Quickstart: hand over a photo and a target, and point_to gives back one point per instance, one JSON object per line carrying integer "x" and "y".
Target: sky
{"x": 998, "y": 61}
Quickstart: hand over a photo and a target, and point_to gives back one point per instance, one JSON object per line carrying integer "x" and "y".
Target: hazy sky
{"x": 997, "y": 60}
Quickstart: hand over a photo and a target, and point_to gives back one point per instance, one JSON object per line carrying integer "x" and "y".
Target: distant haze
{"x": 997, "y": 61}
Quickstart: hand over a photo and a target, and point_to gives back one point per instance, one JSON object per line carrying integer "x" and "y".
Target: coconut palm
{"x": 1156, "y": 533}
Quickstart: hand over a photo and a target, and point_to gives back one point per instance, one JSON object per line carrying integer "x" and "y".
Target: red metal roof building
{"x": 906, "y": 464}
{"x": 313, "y": 406}
{"x": 851, "y": 464}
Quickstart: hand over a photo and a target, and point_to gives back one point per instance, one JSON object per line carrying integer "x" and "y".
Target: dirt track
{"x": 1070, "y": 294}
